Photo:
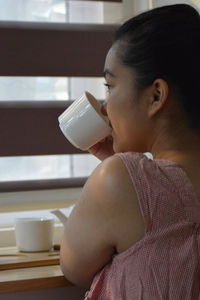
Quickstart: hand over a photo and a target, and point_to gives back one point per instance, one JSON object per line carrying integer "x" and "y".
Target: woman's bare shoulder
{"x": 119, "y": 199}
{"x": 106, "y": 219}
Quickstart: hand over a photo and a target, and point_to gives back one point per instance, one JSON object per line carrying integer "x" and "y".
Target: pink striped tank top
{"x": 165, "y": 263}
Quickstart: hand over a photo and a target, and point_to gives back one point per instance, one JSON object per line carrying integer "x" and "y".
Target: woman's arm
{"x": 87, "y": 244}
{"x": 93, "y": 229}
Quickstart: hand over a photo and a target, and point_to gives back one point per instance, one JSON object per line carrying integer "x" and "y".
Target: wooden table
{"x": 27, "y": 278}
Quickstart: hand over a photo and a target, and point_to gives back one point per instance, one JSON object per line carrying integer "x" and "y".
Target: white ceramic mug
{"x": 83, "y": 123}
{"x": 34, "y": 234}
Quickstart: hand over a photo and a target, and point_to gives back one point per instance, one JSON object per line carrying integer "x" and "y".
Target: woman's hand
{"x": 103, "y": 149}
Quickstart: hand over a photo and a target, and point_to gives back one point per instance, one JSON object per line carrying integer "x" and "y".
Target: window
{"x": 48, "y": 88}
{"x": 41, "y": 72}
{"x": 52, "y": 11}
{"x": 46, "y": 167}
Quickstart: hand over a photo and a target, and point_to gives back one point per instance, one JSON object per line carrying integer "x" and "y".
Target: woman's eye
{"x": 108, "y": 88}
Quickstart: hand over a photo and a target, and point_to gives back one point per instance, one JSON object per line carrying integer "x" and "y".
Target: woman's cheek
{"x": 109, "y": 111}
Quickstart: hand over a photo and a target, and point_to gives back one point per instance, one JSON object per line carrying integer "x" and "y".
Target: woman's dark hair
{"x": 165, "y": 43}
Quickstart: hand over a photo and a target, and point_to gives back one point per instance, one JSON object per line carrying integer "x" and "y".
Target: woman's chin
{"x": 122, "y": 148}
{"x": 117, "y": 148}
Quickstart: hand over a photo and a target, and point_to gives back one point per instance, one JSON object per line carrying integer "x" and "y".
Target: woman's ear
{"x": 159, "y": 94}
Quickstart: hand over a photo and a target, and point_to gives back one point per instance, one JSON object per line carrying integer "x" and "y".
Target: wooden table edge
{"x": 30, "y": 284}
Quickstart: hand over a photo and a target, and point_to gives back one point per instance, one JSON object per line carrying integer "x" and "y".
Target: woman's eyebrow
{"x": 107, "y": 72}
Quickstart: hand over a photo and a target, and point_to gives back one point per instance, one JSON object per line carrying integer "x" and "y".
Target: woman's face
{"x": 126, "y": 107}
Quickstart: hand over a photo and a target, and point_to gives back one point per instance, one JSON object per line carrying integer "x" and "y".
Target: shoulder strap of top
{"x": 156, "y": 189}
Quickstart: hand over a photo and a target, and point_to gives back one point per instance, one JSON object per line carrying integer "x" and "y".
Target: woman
{"x": 135, "y": 231}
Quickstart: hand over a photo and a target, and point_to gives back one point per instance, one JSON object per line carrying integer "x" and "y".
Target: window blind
{"x": 45, "y": 49}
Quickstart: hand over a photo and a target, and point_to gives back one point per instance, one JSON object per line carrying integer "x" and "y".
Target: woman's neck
{"x": 180, "y": 145}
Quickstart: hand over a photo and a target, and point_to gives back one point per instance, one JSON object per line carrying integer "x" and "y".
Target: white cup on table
{"x": 83, "y": 123}
{"x": 34, "y": 234}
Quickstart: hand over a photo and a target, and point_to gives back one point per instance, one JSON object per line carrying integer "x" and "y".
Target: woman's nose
{"x": 104, "y": 108}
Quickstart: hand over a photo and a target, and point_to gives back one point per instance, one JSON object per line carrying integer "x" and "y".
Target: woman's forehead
{"x": 112, "y": 63}
{"x": 110, "y": 57}
{"x": 113, "y": 68}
